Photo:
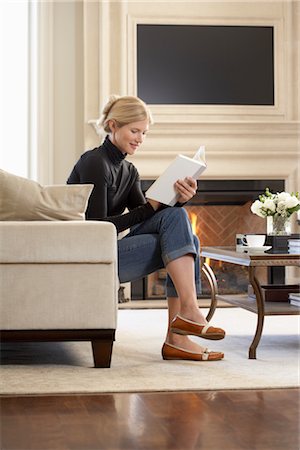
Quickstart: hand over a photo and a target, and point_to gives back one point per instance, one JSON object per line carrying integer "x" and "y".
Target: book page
{"x": 163, "y": 190}
{"x": 200, "y": 154}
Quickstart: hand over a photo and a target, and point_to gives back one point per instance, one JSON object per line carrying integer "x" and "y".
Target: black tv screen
{"x": 205, "y": 65}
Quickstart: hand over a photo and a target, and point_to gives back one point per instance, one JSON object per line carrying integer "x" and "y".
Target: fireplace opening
{"x": 219, "y": 210}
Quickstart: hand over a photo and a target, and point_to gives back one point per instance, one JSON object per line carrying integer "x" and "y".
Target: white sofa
{"x": 59, "y": 283}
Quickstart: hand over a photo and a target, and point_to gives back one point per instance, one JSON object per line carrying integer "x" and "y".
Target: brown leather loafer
{"x": 180, "y": 325}
{"x": 170, "y": 351}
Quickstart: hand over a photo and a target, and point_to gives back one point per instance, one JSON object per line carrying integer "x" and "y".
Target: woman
{"x": 159, "y": 236}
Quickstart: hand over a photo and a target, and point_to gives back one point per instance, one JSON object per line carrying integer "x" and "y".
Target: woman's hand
{"x": 186, "y": 189}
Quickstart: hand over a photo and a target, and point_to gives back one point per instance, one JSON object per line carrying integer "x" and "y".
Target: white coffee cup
{"x": 254, "y": 240}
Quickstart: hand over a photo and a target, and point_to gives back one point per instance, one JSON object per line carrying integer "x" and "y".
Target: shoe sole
{"x": 166, "y": 358}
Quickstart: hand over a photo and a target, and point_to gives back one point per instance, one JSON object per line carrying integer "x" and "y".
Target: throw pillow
{"x": 24, "y": 199}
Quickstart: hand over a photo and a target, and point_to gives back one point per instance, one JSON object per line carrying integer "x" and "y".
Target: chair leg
{"x": 102, "y": 351}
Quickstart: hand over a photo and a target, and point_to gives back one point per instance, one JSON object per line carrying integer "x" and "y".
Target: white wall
{"x": 61, "y": 89}
{"x": 68, "y": 87}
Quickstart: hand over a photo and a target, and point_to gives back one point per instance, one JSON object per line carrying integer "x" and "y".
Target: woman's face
{"x": 129, "y": 137}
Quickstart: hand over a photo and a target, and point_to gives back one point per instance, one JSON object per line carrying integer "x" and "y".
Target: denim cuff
{"x": 187, "y": 249}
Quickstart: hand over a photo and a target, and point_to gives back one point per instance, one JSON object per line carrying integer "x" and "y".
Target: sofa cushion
{"x": 58, "y": 242}
{"x": 23, "y": 199}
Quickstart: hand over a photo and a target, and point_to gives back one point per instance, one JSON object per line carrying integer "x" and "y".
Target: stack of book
{"x": 294, "y": 246}
{"x": 294, "y": 299}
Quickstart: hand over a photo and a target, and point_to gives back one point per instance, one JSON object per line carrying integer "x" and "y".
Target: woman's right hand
{"x": 155, "y": 205}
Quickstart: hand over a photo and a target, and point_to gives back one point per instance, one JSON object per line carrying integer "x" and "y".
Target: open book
{"x": 163, "y": 191}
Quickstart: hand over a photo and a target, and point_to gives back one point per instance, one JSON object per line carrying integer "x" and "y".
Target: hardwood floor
{"x": 221, "y": 420}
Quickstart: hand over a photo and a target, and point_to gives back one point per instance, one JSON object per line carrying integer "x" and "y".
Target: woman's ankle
{"x": 193, "y": 314}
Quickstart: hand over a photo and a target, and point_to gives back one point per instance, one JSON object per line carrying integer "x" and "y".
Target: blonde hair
{"x": 124, "y": 110}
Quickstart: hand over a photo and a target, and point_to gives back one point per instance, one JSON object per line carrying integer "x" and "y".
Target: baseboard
{"x": 162, "y": 304}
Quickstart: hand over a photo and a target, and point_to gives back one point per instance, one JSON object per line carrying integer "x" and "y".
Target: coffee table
{"x": 256, "y": 305}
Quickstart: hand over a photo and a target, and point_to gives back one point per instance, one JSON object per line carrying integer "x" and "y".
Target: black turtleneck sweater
{"x": 116, "y": 187}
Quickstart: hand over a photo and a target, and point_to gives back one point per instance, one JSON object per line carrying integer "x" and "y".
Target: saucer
{"x": 263, "y": 248}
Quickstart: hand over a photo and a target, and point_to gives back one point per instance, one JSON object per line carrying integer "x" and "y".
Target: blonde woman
{"x": 159, "y": 236}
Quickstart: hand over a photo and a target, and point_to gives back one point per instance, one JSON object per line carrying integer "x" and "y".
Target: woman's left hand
{"x": 186, "y": 189}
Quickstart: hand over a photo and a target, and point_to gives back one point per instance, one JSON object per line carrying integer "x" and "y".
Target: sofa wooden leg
{"x": 102, "y": 351}
{"x": 102, "y": 340}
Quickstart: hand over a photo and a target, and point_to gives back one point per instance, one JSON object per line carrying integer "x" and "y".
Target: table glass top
{"x": 250, "y": 257}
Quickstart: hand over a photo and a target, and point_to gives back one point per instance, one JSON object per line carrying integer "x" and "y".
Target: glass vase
{"x": 278, "y": 225}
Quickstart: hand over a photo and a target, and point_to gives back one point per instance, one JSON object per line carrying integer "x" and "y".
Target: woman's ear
{"x": 112, "y": 125}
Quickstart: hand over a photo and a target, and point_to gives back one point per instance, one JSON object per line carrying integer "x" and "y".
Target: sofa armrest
{"x": 58, "y": 242}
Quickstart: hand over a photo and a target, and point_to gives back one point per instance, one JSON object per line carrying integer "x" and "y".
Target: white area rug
{"x": 47, "y": 368}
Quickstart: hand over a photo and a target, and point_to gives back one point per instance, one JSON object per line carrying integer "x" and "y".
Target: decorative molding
{"x": 97, "y": 128}
{"x": 45, "y": 107}
{"x": 229, "y": 127}
{"x": 198, "y": 112}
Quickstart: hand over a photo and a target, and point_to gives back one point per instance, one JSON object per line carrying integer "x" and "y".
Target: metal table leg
{"x": 260, "y": 312}
{"x": 208, "y": 272}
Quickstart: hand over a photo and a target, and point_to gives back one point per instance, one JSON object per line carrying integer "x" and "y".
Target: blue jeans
{"x": 152, "y": 244}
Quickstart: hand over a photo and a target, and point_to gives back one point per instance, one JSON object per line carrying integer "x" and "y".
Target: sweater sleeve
{"x": 89, "y": 171}
{"x": 97, "y": 209}
{"x": 139, "y": 209}
{"x": 136, "y": 196}
{"x": 133, "y": 217}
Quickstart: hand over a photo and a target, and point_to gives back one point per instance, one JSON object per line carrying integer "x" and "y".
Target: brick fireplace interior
{"x": 219, "y": 211}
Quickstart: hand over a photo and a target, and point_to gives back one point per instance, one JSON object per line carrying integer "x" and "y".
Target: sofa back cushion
{"x": 24, "y": 199}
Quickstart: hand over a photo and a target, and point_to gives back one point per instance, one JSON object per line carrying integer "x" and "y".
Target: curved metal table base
{"x": 260, "y": 312}
{"x": 211, "y": 278}
{"x": 208, "y": 272}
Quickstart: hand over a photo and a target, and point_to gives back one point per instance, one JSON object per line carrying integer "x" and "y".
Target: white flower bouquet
{"x": 280, "y": 204}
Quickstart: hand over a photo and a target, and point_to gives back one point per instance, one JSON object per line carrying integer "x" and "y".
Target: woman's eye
{"x": 138, "y": 131}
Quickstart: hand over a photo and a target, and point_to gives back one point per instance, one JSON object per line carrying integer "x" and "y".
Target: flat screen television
{"x": 205, "y": 64}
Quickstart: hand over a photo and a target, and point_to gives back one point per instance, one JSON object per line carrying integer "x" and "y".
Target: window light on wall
{"x": 15, "y": 88}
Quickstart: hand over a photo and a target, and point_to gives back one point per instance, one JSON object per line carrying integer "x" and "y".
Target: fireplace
{"x": 219, "y": 210}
